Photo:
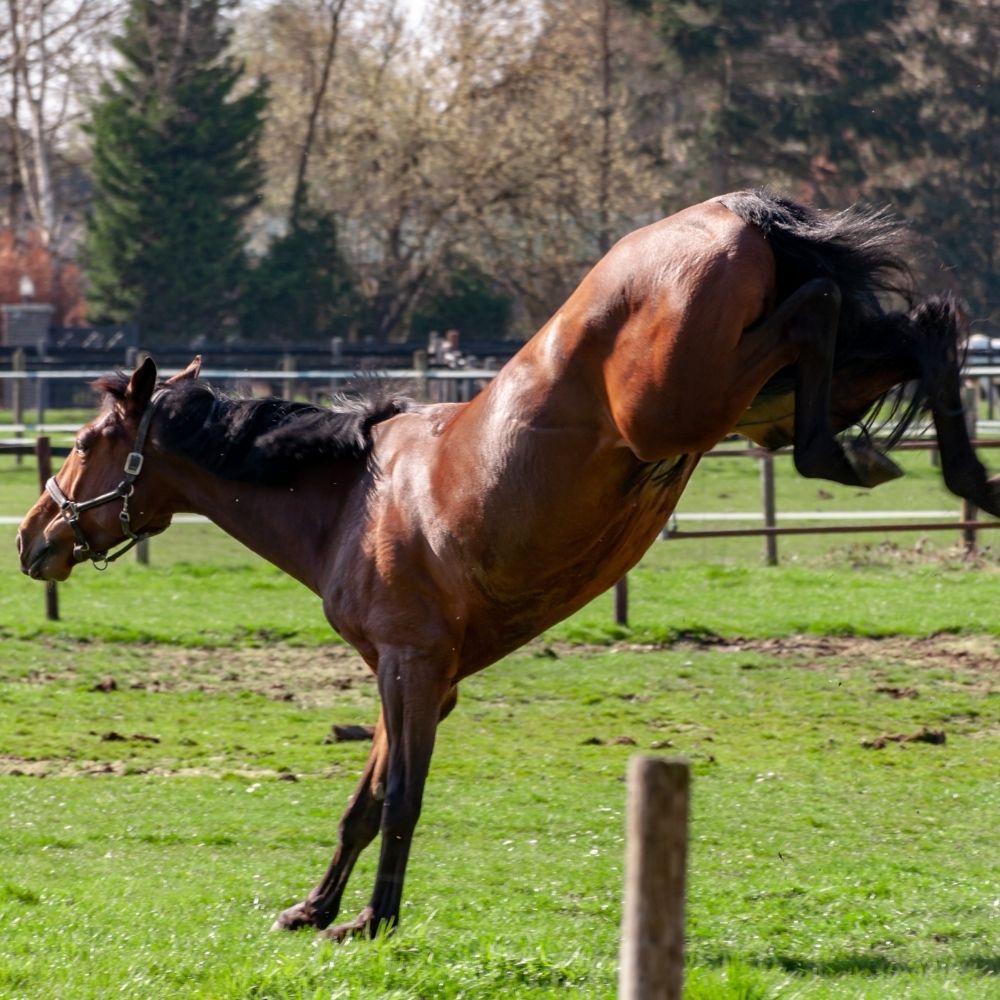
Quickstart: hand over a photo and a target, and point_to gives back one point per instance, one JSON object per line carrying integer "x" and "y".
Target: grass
{"x": 167, "y": 831}
{"x": 818, "y": 868}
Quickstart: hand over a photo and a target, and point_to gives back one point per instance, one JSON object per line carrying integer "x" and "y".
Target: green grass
{"x": 818, "y": 868}
{"x": 150, "y": 859}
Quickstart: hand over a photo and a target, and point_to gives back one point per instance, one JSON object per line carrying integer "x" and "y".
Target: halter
{"x": 72, "y": 509}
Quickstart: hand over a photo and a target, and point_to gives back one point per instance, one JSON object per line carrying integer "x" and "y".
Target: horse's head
{"x": 105, "y": 493}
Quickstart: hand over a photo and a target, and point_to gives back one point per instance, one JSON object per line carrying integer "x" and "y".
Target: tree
{"x": 301, "y": 289}
{"x": 474, "y": 140}
{"x": 950, "y": 182}
{"x": 883, "y": 101}
{"x": 50, "y": 57}
{"x": 787, "y": 94}
{"x": 468, "y": 301}
{"x": 176, "y": 172}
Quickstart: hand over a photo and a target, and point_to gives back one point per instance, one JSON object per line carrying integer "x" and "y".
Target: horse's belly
{"x": 769, "y": 420}
{"x": 531, "y": 588}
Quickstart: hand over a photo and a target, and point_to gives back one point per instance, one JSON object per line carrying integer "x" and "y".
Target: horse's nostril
{"x": 20, "y": 543}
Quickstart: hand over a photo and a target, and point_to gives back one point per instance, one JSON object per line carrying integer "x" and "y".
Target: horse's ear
{"x": 140, "y": 387}
{"x": 190, "y": 372}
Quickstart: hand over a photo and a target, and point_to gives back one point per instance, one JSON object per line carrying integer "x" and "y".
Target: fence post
{"x": 421, "y": 364}
{"x": 770, "y": 516}
{"x": 652, "y": 949}
{"x": 621, "y": 601}
{"x": 18, "y": 363}
{"x": 970, "y": 403}
{"x": 43, "y": 452}
{"x": 42, "y": 391}
{"x": 288, "y": 385}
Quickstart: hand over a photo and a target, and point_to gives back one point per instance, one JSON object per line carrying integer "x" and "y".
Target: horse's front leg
{"x": 416, "y": 693}
{"x": 810, "y": 319}
{"x": 357, "y": 830}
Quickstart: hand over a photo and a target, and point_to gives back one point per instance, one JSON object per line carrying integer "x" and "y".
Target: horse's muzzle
{"x": 42, "y": 561}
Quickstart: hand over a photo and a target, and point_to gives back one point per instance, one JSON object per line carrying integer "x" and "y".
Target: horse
{"x": 442, "y": 537}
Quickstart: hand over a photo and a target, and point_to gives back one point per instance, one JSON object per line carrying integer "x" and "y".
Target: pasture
{"x": 167, "y": 788}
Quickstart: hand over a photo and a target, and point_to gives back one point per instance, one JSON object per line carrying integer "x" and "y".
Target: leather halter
{"x": 72, "y": 509}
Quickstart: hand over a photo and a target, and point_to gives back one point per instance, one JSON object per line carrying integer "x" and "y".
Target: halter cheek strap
{"x": 72, "y": 509}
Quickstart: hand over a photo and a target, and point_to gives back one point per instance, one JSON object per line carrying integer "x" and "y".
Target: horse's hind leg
{"x": 809, "y": 317}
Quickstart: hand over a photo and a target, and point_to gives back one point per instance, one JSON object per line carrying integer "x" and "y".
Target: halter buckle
{"x": 133, "y": 464}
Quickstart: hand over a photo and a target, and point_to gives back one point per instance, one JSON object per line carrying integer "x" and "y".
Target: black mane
{"x": 267, "y": 441}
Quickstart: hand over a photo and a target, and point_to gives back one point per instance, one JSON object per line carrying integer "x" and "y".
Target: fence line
{"x": 770, "y": 531}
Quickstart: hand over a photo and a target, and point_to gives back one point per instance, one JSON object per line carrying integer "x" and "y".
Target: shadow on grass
{"x": 864, "y": 964}
{"x": 989, "y": 964}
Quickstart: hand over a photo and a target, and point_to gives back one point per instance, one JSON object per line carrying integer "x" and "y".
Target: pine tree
{"x": 787, "y": 93}
{"x": 176, "y": 171}
{"x": 301, "y": 289}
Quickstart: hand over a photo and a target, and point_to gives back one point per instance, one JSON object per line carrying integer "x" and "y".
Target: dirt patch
{"x": 310, "y": 676}
{"x": 322, "y": 677}
{"x": 313, "y": 676}
{"x": 319, "y": 676}
{"x": 971, "y": 660}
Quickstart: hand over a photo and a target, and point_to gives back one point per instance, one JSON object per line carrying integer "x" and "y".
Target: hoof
{"x": 990, "y": 500}
{"x": 871, "y": 467}
{"x": 364, "y": 925}
{"x": 296, "y": 917}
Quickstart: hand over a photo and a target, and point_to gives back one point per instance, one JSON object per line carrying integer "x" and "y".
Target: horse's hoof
{"x": 364, "y": 925}
{"x": 295, "y": 917}
{"x": 871, "y": 467}
{"x": 991, "y": 499}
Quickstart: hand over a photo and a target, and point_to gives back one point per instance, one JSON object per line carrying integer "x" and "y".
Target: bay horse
{"x": 442, "y": 537}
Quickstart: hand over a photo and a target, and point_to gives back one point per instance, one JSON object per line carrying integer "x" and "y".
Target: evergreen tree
{"x": 176, "y": 171}
{"x": 952, "y": 179}
{"x": 301, "y": 289}
{"x": 804, "y": 94}
{"x": 467, "y": 300}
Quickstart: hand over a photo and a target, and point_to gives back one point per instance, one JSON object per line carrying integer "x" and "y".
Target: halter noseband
{"x": 72, "y": 509}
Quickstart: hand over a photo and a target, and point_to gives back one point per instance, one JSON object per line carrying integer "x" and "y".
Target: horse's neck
{"x": 283, "y": 524}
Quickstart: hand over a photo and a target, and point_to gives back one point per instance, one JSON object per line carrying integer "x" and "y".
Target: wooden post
{"x": 43, "y": 452}
{"x": 970, "y": 402}
{"x": 18, "y": 363}
{"x": 288, "y": 385}
{"x": 421, "y": 364}
{"x": 652, "y": 949}
{"x": 41, "y": 390}
{"x": 142, "y": 552}
{"x": 621, "y": 601}
{"x": 770, "y": 516}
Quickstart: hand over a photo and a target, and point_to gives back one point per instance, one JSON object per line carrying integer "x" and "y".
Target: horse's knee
{"x": 450, "y": 701}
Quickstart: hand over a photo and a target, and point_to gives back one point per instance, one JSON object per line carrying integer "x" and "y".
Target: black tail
{"x": 862, "y": 251}
{"x": 859, "y": 249}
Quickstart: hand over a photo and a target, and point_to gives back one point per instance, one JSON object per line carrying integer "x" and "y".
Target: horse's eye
{"x": 80, "y": 446}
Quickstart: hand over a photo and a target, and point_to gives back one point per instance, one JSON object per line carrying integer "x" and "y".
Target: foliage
{"x": 175, "y": 171}
{"x": 890, "y": 102}
{"x": 301, "y": 288}
{"x": 468, "y": 301}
